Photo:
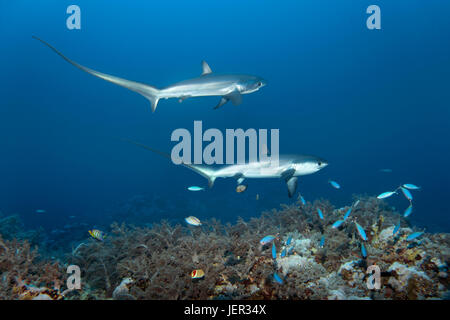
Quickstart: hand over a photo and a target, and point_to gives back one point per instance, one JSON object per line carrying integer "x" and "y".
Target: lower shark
{"x": 230, "y": 87}
{"x": 288, "y": 169}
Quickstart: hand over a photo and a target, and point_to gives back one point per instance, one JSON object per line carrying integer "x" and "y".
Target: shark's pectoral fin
{"x": 288, "y": 174}
{"x": 181, "y": 99}
{"x": 291, "y": 181}
{"x": 205, "y": 68}
{"x": 292, "y": 186}
{"x": 235, "y": 97}
{"x": 221, "y": 103}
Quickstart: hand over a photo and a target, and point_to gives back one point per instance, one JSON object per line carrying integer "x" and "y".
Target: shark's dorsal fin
{"x": 205, "y": 68}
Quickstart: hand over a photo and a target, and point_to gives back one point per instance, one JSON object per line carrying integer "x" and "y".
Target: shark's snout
{"x": 322, "y": 163}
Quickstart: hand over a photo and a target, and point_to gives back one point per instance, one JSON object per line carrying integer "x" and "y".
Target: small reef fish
{"x": 361, "y": 231}
{"x": 396, "y": 229}
{"x": 407, "y": 211}
{"x": 97, "y": 234}
{"x": 274, "y": 251}
{"x": 407, "y": 194}
{"x": 347, "y": 214}
{"x": 356, "y": 203}
{"x": 241, "y": 188}
{"x": 413, "y": 236}
{"x": 283, "y": 253}
{"x": 334, "y": 184}
{"x": 267, "y": 239}
{"x": 40, "y": 211}
{"x": 193, "y": 221}
{"x": 302, "y": 199}
{"x": 320, "y": 213}
{"x": 288, "y": 241}
{"x": 195, "y": 188}
{"x": 257, "y": 196}
{"x": 411, "y": 186}
{"x": 322, "y": 242}
{"x": 337, "y": 224}
{"x": 277, "y": 278}
{"x": 197, "y": 274}
{"x": 386, "y": 194}
{"x": 363, "y": 251}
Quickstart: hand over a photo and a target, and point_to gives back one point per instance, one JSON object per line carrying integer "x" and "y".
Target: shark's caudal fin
{"x": 151, "y": 93}
{"x": 208, "y": 173}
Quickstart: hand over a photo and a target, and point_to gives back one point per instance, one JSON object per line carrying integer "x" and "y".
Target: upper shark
{"x": 230, "y": 87}
{"x": 287, "y": 168}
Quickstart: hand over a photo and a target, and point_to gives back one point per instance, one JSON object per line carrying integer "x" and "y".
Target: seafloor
{"x": 155, "y": 262}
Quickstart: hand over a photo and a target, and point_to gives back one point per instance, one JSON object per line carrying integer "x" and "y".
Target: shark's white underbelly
{"x": 196, "y": 90}
{"x": 250, "y": 171}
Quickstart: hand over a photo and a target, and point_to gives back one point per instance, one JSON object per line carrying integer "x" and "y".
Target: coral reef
{"x": 24, "y": 276}
{"x": 155, "y": 262}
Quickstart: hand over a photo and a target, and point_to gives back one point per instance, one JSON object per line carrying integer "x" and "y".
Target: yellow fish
{"x": 97, "y": 234}
{"x": 241, "y": 188}
{"x": 197, "y": 274}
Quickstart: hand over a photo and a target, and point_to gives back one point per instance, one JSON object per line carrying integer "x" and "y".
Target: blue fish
{"x": 413, "y": 236}
{"x": 267, "y": 239}
{"x": 322, "y": 242}
{"x": 407, "y": 194}
{"x": 320, "y": 213}
{"x": 288, "y": 242}
{"x": 396, "y": 229}
{"x": 283, "y": 253}
{"x": 411, "y": 186}
{"x": 277, "y": 278}
{"x": 407, "y": 211}
{"x": 334, "y": 184}
{"x": 195, "y": 188}
{"x": 302, "y": 200}
{"x": 337, "y": 223}
{"x": 386, "y": 194}
{"x": 363, "y": 251}
{"x": 361, "y": 231}
{"x": 347, "y": 213}
{"x": 274, "y": 251}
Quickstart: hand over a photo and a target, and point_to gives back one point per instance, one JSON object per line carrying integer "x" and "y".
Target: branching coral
{"x": 21, "y": 270}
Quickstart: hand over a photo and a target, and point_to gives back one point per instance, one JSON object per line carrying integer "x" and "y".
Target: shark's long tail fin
{"x": 208, "y": 173}
{"x": 151, "y": 93}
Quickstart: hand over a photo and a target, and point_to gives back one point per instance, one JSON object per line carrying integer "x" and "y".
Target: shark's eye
{"x": 319, "y": 163}
{"x": 259, "y": 84}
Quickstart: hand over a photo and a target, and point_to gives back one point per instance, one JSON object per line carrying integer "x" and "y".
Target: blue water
{"x": 362, "y": 99}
